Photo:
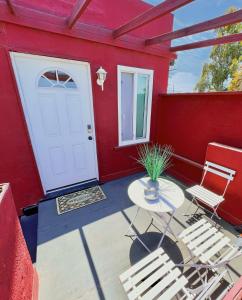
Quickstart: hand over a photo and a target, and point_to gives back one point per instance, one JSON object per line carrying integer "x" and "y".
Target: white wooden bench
{"x": 210, "y": 248}
{"x": 155, "y": 277}
{"x": 209, "y": 245}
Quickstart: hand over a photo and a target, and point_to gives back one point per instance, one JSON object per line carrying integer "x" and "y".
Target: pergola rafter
{"x": 34, "y": 18}
{"x": 10, "y": 6}
{"x": 37, "y": 19}
{"x": 210, "y": 42}
{"x": 221, "y": 21}
{"x": 78, "y": 10}
{"x": 150, "y": 15}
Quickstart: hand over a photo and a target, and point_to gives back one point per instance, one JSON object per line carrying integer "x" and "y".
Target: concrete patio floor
{"x": 81, "y": 254}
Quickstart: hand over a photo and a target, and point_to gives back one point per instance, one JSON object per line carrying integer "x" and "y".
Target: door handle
{"x": 90, "y": 138}
{"x": 89, "y": 128}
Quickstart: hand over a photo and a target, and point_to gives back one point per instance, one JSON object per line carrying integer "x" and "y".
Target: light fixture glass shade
{"x": 101, "y": 76}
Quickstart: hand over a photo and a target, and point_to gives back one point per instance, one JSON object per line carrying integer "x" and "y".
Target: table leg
{"x": 134, "y": 234}
{"x": 166, "y": 229}
{"x": 132, "y": 222}
{"x": 158, "y": 218}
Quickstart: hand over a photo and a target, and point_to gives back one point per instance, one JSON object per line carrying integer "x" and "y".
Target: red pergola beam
{"x": 211, "y": 42}
{"x": 78, "y": 10}
{"x": 150, "y": 15}
{"x": 10, "y": 6}
{"x": 47, "y": 22}
{"x": 227, "y": 19}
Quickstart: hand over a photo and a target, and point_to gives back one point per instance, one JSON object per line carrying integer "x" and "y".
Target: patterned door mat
{"x": 79, "y": 199}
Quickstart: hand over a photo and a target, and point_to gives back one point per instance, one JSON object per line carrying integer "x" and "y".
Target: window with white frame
{"x": 134, "y": 104}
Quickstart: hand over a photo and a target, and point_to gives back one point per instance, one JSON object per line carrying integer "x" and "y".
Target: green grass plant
{"x": 155, "y": 159}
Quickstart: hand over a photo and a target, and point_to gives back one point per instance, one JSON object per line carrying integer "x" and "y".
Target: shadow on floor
{"x": 29, "y": 226}
{"x": 137, "y": 251}
{"x": 92, "y": 266}
{"x": 51, "y": 225}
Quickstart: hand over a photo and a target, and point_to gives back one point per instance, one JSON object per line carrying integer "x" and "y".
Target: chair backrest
{"x": 218, "y": 170}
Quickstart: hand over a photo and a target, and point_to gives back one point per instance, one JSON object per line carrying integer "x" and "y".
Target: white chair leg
{"x": 189, "y": 207}
{"x": 215, "y": 212}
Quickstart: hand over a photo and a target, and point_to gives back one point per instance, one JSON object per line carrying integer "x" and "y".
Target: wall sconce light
{"x": 101, "y": 76}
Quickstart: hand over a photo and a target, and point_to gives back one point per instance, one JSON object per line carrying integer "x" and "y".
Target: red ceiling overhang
{"x": 32, "y": 18}
{"x": 77, "y": 11}
{"x": 10, "y": 6}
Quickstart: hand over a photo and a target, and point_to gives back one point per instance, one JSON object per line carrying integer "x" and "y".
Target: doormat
{"x": 79, "y": 199}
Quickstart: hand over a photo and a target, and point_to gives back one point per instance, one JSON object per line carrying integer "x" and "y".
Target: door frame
{"x": 33, "y": 143}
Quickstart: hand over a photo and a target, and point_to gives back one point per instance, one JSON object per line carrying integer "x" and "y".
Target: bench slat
{"x": 202, "y": 238}
{"x": 174, "y": 289}
{"x": 210, "y": 253}
{"x": 124, "y": 276}
{"x": 166, "y": 281}
{"x": 152, "y": 279}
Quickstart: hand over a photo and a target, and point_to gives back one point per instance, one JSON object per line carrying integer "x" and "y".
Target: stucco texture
{"x": 16, "y": 269}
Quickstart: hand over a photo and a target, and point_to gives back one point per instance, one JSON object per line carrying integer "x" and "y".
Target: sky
{"x": 188, "y": 65}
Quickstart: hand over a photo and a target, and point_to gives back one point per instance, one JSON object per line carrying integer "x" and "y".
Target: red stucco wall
{"x": 190, "y": 121}
{"x": 17, "y": 164}
{"x": 17, "y": 275}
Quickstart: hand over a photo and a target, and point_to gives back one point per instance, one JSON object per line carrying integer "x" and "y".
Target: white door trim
{"x": 13, "y": 55}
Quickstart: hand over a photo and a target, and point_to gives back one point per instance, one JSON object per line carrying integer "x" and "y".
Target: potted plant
{"x": 155, "y": 159}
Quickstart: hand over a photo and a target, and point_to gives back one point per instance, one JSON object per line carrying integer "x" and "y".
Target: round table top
{"x": 170, "y": 197}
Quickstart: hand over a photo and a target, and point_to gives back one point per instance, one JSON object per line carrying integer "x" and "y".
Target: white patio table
{"x": 170, "y": 198}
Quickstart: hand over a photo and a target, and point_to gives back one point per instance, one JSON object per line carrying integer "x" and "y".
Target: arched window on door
{"x": 56, "y": 79}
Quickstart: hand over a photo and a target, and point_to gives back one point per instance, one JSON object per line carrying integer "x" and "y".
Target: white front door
{"x": 57, "y": 100}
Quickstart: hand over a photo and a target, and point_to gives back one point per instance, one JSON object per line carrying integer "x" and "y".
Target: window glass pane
{"x": 43, "y": 82}
{"x": 141, "y": 106}
{"x": 61, "y": 80}
{"x": 70, "y": 84}
{"x": 62, "y": 77}
{"x": 127, "y": 88}
{"x": 51, "y": 75}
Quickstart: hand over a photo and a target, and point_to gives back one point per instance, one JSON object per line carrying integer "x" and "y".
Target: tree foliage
{"x": 236, "y": 82}
{"x": 223, "y": 71}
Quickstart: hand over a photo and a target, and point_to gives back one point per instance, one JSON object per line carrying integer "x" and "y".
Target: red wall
{"x": 190, "y": 121}
{"x": 17, "y": 164}
{"x": 18, "y": 279}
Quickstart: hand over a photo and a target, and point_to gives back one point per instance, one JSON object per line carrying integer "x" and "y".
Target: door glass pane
{"x": 127, "y": 88}
{"x": 66, "y": 80}
{"x": 56, "y": 79}
{"x": 44, "y": 82}
{"x": 141, "y": 108}
{"x": 62, "y": 77}
{"x": 51, "y": 75}
{"x": 70, "y": 84}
